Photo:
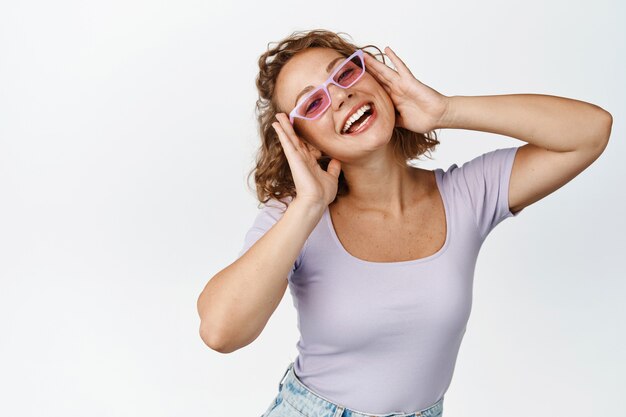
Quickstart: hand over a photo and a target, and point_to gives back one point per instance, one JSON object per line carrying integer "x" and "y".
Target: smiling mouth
{"x": 363, "y": 122}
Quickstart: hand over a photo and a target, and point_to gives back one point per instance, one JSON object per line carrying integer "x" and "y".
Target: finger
{"x": 385, "y": 83}
{"x": 381, "y": 68}
{"x": 287, "y": 128}
{"x": 378, "y": 77}
{"x": 402, "y": 68}
{"x": 381, "y": 77}
{"x": 314, "y": 151}
{"x": 286, "y": 143}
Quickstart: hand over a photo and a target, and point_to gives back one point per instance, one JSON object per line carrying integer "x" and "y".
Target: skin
{"x": 564, "y": 136}
{"x": 376, "y": 180}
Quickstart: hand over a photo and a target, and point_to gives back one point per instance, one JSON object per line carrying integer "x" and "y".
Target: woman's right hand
{"x": 313, "y": 184}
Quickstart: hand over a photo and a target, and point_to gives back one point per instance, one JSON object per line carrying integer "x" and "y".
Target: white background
{"x": 127, "y": 130}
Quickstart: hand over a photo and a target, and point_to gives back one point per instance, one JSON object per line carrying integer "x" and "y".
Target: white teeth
{"x": 355, "y": 117}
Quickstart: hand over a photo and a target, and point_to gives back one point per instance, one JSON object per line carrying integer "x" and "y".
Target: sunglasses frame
{"x": 324, "y": 86}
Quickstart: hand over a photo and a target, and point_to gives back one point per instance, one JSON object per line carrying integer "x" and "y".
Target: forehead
{"x": 306, "y": 68}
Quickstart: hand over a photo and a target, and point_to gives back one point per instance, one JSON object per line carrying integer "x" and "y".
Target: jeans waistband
{"x": 307, "y": 402}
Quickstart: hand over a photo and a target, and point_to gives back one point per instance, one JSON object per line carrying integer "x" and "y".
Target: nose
{"x": 338, "y": 95}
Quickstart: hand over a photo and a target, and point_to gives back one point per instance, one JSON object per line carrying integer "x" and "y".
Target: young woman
{"x": 379, "y": 255}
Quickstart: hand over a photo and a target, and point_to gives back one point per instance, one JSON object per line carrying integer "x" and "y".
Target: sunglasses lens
{"x": 313, "y": 105}
{"x": 347, "y": 75}
{"x": 349, "y": 72}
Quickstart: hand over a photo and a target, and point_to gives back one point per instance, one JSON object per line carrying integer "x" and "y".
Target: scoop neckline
{"x": 335, "y": 238}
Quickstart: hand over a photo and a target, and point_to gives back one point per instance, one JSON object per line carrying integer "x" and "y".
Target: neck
{"x": 383, "y": 184}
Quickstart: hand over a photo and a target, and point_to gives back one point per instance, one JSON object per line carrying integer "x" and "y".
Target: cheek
{"x": 382, "y": 92}
{"x": 377, "y": 84}
{"x": 389, "y": 105}
{"x": 304, "y": 135}
{"x": 386, "y": 95}
{"x": 319, "y": 129}
{"x": 318, "y": 136}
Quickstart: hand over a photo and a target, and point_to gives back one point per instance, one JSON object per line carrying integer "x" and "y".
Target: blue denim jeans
{"x": 294, "y": 399}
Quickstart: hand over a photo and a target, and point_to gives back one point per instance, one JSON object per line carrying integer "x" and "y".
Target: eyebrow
{"x": 310, "y": 87}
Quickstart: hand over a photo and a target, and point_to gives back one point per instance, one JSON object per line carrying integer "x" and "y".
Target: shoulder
{"x": 480, "y": 170}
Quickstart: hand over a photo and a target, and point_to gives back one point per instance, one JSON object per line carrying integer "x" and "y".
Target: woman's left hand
{"x": 421, "y": 108}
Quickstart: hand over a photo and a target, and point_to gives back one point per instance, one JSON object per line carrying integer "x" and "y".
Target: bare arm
{"x": 236, "y": 304}
{"x": 564, "y": 137}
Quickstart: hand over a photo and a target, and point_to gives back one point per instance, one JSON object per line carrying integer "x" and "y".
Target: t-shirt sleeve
{"x": 485, "y": 180}
{"x": 267, "y": 216}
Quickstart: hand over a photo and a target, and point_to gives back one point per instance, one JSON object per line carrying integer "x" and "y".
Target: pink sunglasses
{"x": 314, "y": 104}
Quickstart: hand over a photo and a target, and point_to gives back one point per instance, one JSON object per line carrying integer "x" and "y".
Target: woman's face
{"x": 308, "y": 67}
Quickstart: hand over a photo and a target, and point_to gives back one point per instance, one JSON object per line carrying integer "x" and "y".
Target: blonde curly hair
{"x": 272, "y": 174}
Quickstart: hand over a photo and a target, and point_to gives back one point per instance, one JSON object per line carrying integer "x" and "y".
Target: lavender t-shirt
{"x": 383, "y": 337}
